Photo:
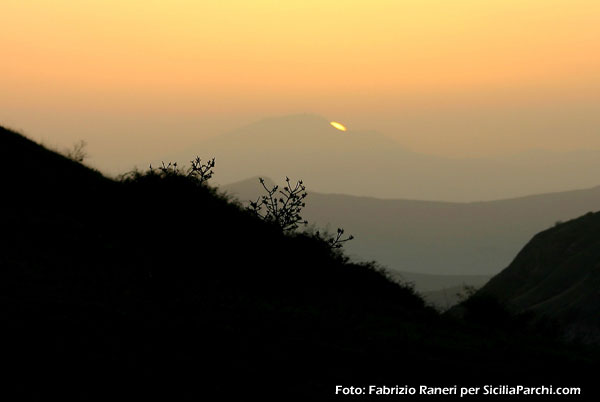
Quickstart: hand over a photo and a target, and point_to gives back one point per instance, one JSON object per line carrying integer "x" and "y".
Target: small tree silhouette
{"x": 282, "y": 207}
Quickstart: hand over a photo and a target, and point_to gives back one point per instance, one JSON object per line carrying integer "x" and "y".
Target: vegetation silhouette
{"x": 156, "y": 285}
{"x": 283, "y": 208}
{"x": 77, "y": 152}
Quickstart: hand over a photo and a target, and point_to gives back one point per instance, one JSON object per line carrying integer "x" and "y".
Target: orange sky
{"x": 461, "y": 77}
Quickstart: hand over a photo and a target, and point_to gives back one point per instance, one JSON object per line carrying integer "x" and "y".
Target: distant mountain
{"x": 557, "y": 276}
{"x": 437, "y": 238}
{"x": 367, "y": 163}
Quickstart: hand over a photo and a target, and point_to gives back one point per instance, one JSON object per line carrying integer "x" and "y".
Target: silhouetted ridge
{"x": 156, "y": 286}
{"x": 34, "y": 165}
{"x": 557, "y": 276}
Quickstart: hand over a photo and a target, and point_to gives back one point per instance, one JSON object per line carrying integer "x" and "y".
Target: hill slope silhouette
{"x": 155, "y": 286}
{"x": 557, "y": 276}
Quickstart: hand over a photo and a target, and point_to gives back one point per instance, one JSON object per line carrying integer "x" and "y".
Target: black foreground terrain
{"x": 157, "y": 287}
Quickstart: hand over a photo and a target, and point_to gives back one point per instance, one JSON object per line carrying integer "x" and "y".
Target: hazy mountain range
{"x": 367, "y": 163}
{"x": 478, "y": 238}
{"x": 437, "y": 245}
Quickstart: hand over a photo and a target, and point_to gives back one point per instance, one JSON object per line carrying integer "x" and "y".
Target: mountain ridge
{"x": 557, "y": 276}
{"x": 441, "y": 238}
{"x": 348, "y": 162}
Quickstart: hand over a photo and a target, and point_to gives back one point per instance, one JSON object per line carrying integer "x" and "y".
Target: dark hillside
{"x": 44, "y": 170}
{"x": 557, "y": 276}
{"x": 157, "y": 287}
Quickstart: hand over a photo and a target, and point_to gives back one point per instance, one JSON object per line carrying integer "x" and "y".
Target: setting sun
{"x": 338, "y": 126}
{"x": 470, "y": 78}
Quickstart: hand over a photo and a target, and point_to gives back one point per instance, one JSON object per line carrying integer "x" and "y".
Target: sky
{"x": 456, "y": 78}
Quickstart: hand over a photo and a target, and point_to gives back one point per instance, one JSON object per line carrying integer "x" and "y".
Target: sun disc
{"x": 338, "y": 126}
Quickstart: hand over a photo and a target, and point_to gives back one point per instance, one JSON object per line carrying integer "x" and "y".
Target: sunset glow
{"x": 338, "y": 126}
{"x": 464, "y": 77}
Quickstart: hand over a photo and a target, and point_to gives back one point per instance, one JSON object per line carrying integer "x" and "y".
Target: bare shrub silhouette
{"x": 335, "y": 241}
{"x": 281, "y": 207}
{"x": 77, "y": 152}
{"x": 199, "y": 172}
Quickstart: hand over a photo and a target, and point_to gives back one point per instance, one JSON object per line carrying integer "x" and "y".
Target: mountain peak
{"x": 299, "y": 127}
